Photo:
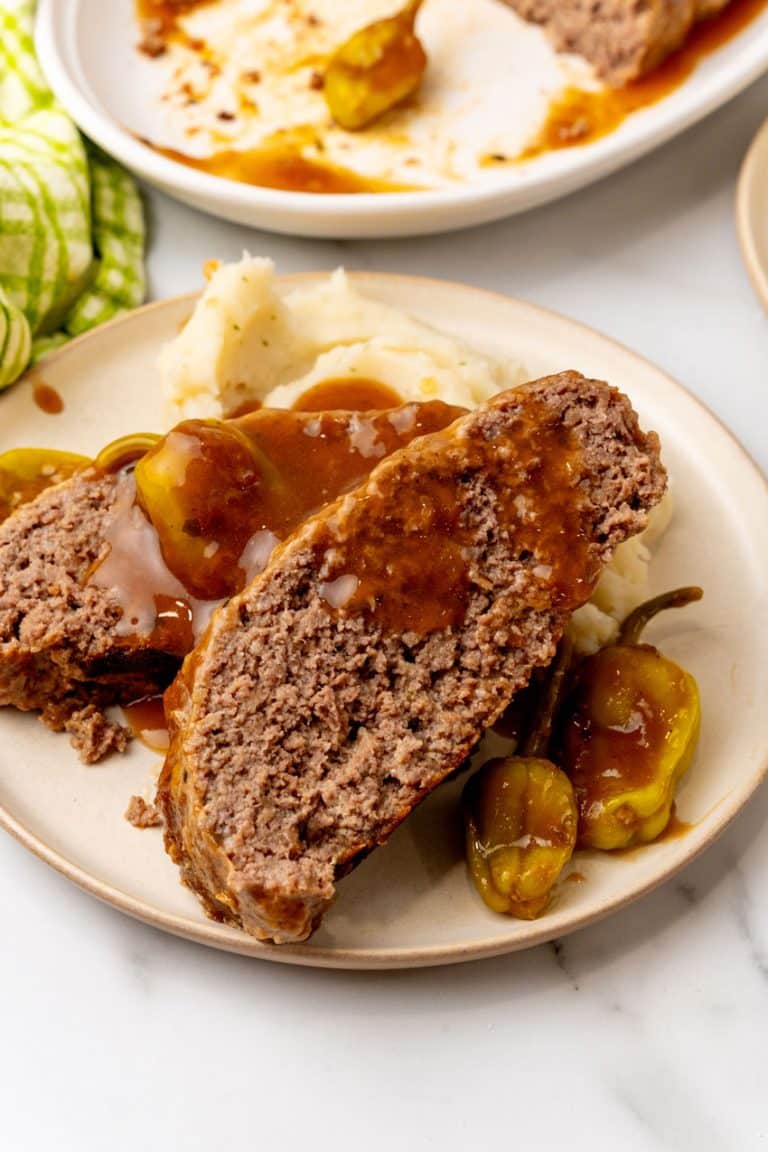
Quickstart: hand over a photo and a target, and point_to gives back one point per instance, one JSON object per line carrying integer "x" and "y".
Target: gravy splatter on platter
{"x": 242, "y": 93}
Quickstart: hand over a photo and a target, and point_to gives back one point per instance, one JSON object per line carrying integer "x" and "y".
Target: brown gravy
{"x": 282, "y": 165}
{"x": 676, "y": 828}
{"x": 146, "y": 719}
{"x": 405, "y": 555}
{"x": 179, "y": 549}
{"x": 579, "y": 117}
{"x": 575, "y": 878}
{"x": 159, "y": 19}
{"x": 47, "y": 399}
{"x": 360, "y": 395}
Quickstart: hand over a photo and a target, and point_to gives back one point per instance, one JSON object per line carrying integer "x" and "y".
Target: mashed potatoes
{"x": 623, "y": 585}
{"x": 246, "y": 344}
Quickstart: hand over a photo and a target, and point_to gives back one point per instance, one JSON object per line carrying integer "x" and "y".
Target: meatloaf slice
{"x": 622, "y": 40}
{"x": 62, "y": 648}
{"x": 90, "y": 613}
{"x": 361, "y": 668}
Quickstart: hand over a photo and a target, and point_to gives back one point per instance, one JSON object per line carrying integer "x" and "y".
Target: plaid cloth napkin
{"x": 71, "y": 220}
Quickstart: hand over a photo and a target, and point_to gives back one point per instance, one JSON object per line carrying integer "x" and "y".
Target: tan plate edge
{"x": 758, "y": 273}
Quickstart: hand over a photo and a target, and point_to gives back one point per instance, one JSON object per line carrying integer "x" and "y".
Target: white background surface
{"x": 646, "y": 1032}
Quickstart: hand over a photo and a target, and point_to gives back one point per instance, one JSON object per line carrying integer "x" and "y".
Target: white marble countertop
{"x": 646, "y": 1032}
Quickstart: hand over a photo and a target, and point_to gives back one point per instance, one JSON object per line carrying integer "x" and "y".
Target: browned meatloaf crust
{"x": 302, "y": 734}
{"x": 623, "y": 39}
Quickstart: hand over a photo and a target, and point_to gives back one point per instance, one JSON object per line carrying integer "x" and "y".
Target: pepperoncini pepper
{"x": 26, "y": 472}
{"x": 202, "y": 486}
{"x": 521, "y": 819}
{"x": 629, "y": 733}
{"x": 375, "y": 69}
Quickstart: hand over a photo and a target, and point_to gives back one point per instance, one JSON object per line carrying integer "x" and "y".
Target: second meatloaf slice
{"x": 385, "y": 636}
{"x": 622, "y": 39}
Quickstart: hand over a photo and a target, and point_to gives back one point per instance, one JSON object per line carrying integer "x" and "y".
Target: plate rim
{"x": 373, "y": 214}
{"x": 306, "y": 954}
{"x": 757, "y": 153}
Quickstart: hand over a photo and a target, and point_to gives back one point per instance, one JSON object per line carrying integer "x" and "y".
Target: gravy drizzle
{"x": 281, "y": 164}
{"x": 146, "y": 719}
{"x": 232, "y": 490}
{"x": 47, "y": 399}
{"x": 406, "y": 559}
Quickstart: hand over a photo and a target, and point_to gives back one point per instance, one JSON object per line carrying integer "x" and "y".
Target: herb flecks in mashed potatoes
{"x": 248, "y": 343}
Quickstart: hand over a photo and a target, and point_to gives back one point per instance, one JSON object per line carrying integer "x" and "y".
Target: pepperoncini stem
{"x": 125, "y": 450}
{"x": 538, "y": 739}
{"x": 632, "y": 628}
{"x": 406, "y": 17}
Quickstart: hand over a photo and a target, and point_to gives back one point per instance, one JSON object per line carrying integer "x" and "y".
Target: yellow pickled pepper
{"x": 629, "y": 732}
{"x": 26, "y": 472}
{"x": 198, "y": 486}
{"x": 521, "y": 819}
{"x": 375, "y": 69}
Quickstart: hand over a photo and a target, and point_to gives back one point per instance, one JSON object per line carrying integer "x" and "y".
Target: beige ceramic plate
{"x": 752, "y": 213}
{"x": 410, "y": 903}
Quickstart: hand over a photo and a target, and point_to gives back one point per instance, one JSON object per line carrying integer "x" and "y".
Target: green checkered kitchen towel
{"x": 71, "y": 220}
